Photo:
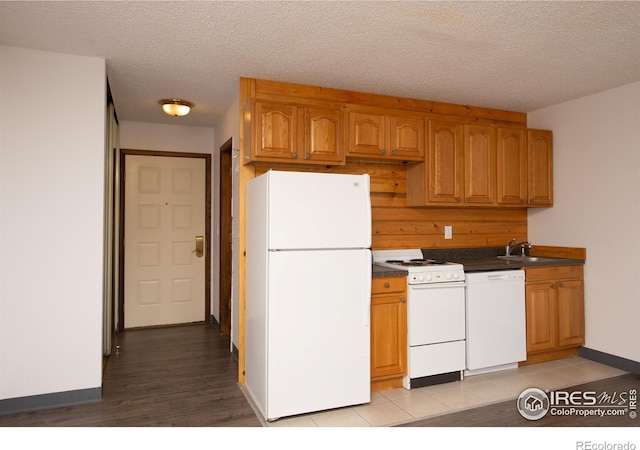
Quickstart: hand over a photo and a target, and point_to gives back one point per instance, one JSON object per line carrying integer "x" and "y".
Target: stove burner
{"x": 416, "y": 262}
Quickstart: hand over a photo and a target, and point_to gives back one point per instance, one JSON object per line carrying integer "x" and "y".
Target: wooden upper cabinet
{"x": 323, "y": 135}
{"x": 512, "y": 166}
{"x": 482, "y": 165}
{"x": 439, "y": 180}
{"x": 406, "y": 137}
{"x": 479, "y": 164}
{"x": 388, "y": 137}
{"x": 282, "y": 132}
{"x": 367, "y": 134}
{"x": 276, "y": 131}
{"x": 540, "y": 167}
{"x": 445, "y": 162}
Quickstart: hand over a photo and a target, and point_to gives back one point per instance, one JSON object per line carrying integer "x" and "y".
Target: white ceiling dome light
{"x": 176, "y": 107}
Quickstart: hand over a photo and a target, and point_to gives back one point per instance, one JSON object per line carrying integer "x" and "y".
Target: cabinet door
{"x": 323, "y": 135}
{"x": 445, "y": 162}
{"x": 511, "y": 166}
{"x": 406, "y": 137}
{"x": 388, "y": 335}
{"x": 479, "y": 164}
{"x": 276, "y": 131}
{"x": 541, "y": 316}
{"x": 570, "y": 313}
{"x": 367, "y": 134}
{"x": 540, "y": 164}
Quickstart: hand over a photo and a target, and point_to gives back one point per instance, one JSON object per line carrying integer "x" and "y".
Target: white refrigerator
{"x": 308, "y": 286}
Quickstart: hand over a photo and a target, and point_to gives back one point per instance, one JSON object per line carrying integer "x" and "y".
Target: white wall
{"x": 229, "y": 127}
{"x": 597, "y": 206}
{"x": 176, "y": 138}
{"x": 167, "y": 138}
{"x": 51, "y": 221}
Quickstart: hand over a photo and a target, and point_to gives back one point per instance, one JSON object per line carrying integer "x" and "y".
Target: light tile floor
{"x": 397, "y": 406}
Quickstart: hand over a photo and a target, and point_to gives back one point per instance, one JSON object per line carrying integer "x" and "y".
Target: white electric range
{"x": 435, "y": 316}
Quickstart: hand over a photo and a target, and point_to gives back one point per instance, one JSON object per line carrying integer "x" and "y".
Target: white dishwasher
{"x": 495, "y": 325}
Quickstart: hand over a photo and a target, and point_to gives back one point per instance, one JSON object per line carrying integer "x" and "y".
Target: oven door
{"x": 436, "y": 313}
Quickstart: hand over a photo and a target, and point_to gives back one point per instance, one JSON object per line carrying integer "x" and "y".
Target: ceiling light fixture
{"x": 176, "y": 107}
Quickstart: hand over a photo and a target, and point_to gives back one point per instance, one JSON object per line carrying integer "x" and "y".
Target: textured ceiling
{"x": 518, "y": 56}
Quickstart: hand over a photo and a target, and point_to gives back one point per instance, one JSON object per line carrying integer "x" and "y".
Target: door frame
{"x": 225, "y": 239}
{"x": 207, "y": 226}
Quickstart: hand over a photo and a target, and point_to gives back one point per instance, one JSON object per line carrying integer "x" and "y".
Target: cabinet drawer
{"x": 553, "y": 273}
{"x": 385, "y": 285}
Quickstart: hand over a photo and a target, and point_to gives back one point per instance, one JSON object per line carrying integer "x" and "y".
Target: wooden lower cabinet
{"x": 388, "y": 332}
{"x": 554, "y": 311}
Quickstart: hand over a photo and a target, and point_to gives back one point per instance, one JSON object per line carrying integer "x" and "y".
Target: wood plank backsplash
{"x": 395, "y": 225}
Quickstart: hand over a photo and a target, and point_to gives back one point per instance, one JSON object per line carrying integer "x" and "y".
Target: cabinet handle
{"x": 553, "y": 286}
{"x": 394, "y": 152}
{"x": 387, "y": 285}
{"x": 533, "y": 200}
{"x": 383, "y": 151}
{"x": 458, "y": 199}
{"x": 561, "y": 284}
{"x": 403, "y": 299}
{"x": 294, "y": 155}
{"x": 522, "y": 200}
{"x": 468, "y": 199}
{"x": 307, "y": 156}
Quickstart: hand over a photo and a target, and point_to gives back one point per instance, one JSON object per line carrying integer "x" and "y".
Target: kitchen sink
{"x": 525, "y": 258}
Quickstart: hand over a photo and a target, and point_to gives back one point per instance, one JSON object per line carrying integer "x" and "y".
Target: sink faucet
{"x": 523, "y": 245}
{"x": 507, "y": 248}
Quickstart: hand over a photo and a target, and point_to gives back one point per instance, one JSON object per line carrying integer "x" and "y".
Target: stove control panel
{"x": 440, "y": 276}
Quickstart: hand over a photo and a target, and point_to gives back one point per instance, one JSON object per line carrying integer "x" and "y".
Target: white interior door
{"x": 164, "y": 215}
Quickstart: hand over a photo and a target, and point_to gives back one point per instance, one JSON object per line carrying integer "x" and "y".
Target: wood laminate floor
{"x": 179, "y": 376}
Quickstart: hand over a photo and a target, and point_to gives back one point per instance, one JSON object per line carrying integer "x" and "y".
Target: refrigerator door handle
{"x": 367, "y": 314}
{"x": 367, "y": 282}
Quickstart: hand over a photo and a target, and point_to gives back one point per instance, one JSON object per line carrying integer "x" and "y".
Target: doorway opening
{"x": 180, "y": 286}
{"x": 226, "y": 232}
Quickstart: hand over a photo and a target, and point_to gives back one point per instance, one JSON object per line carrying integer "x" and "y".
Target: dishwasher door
{"x": 496, "y": 324}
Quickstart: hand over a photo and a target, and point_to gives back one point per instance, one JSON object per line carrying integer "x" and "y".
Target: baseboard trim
{"x": 234, "y": 351}
{"x": 49, "y": 401}
{"x": 610, "y": 360}
{"x": 214, "y": 323}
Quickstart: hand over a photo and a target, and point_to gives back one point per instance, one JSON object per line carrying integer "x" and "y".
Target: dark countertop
{"x": 486, "y": 259}
{"x": 487, "y": 264}
{"x": 477, "y": 260}
{"x": 382, "y": 271}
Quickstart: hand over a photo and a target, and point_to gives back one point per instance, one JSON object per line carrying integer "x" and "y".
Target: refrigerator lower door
{"x": 318, "y": 330}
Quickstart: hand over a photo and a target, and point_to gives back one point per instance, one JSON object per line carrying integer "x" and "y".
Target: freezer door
{"x": 318, "y": 210}
{"x": 318, "y": 331}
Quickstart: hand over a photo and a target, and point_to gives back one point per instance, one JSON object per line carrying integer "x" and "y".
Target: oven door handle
{"x": 455, "y": 284}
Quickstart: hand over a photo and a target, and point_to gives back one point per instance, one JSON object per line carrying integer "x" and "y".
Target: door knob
{"x": 199, "y": 251}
